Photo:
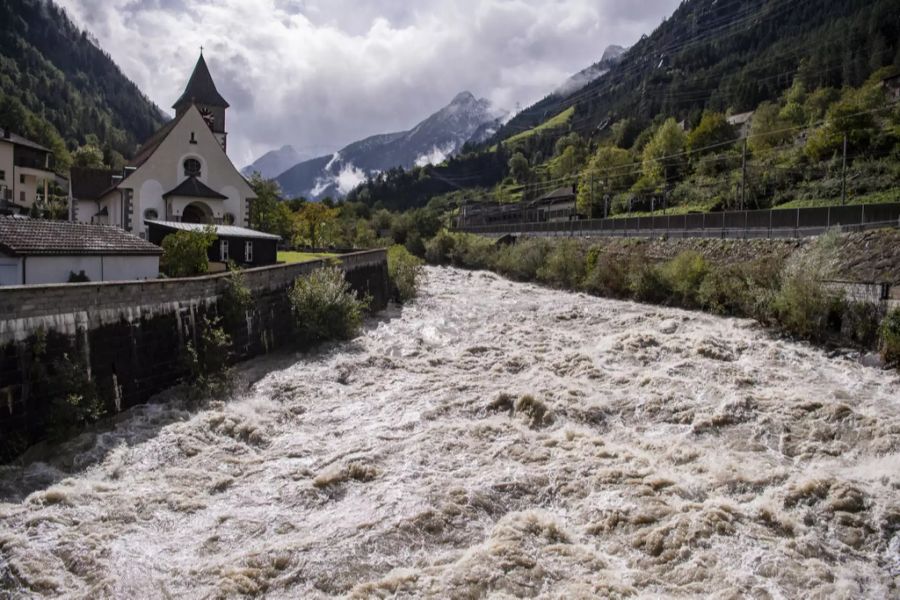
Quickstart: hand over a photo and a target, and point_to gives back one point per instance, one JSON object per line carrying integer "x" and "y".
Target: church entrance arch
{"x": 197, "y": 212}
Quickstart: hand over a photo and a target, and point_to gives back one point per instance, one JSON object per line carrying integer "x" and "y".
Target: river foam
{"x": 493, "y": 439}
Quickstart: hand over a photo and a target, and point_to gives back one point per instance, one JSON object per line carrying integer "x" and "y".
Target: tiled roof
{"x": 194, "y": 188}
{"x": 9, "y": 136}
{"x": 221, "y": 230}
{"x": 90, "y": 184}
{"x": 29, "y": 237}
{"x": 201, "y": 89}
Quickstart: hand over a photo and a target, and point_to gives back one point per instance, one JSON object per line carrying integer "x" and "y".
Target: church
{"x": 181, "y": 174}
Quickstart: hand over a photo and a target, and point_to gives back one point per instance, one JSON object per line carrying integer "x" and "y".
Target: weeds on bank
{"x": 405, "y": 272}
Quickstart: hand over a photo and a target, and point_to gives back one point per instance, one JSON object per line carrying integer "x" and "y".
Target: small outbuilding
{"x": 36, "y": 251}
{"x": 246, "y": 247}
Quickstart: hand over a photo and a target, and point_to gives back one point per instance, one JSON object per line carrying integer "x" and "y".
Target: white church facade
{"x": 181, "y": 174}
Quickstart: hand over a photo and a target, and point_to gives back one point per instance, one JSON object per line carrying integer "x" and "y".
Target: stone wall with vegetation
{"x": 99, "y": 348}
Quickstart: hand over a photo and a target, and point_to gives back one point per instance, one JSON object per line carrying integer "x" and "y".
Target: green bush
{"x": 607, "y": 275}
{"x": 646, "y": 282}
{"x": 75, "y": 402}
{"x": 859, "y": 323}
{"x": 208, "y": 360}
{"x": 804, "y": 305}
{"x": 324, "y": 306}
{"x": 564, "y": 266}
{"x": 889, "y": 334}
{"x": 522, "y": 260}
{"x": 185, "y": 253}
{"x": 237, "y": 299}
{"x": 473, "y": 252}
{"x": 439, "y": 248}
{"x": 405, "y": 272}
{"x": 684, "y": 275}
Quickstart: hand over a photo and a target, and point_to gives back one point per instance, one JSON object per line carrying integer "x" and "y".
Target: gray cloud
{"x": 319, "y": 74}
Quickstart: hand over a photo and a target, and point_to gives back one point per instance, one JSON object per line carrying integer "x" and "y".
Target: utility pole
{"x": 591, "y": 203}
{"x": 844, "y": 174}
{"x": 744, "y": 176}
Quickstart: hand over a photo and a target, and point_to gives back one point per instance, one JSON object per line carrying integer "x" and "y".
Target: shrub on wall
{"x": 185, "y": 253}
{"x": 208, "y": 359}
{"x": 237, "y": 299}
{"x": 324, "y": 306}
{"x": 405, "y": 272}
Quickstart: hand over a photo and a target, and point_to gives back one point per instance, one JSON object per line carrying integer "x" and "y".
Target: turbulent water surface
{"x": 493, "y": 440}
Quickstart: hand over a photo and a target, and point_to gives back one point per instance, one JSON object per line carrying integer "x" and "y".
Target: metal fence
{"x": 774, "y": 223}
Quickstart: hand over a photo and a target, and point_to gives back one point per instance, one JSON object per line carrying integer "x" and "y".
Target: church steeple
{"x": 201, "y": 89}
{"x": 201, "y": 92}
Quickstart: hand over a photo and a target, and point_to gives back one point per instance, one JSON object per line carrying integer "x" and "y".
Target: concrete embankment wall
{"x": 131, "y": 336}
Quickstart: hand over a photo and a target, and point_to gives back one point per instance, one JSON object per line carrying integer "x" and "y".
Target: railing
{"x": 774, "y": 223}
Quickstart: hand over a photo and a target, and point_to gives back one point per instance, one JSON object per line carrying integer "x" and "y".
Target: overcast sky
{"x": 319, "y": 74}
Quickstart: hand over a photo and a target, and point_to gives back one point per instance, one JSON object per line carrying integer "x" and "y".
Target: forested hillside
{"x": 58, "y": 88}
{"x": 811, "y": 69}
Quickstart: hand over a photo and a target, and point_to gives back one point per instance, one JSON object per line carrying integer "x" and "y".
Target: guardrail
{"x": 774, "y": 223}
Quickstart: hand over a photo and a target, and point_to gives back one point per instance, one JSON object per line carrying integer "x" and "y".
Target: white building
{"x": 34, "y": 251}
{"x": 181, "y": 174}
{"x": 25, "y": 172}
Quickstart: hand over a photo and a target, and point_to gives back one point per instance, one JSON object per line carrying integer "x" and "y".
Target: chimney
{"x": 6, "y": 133}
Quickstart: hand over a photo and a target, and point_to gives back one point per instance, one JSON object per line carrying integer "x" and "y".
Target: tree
{"x": 712, "y": 130}
{"x": 185, "y": 252}
{"x": 88, "y": 156}
{"x": 566, "y": 163}
{"x": 662, "y": 154}
{"x": 264, "y": 209}
{"x": 611, "y": 170}
{"x": 519, "y": 167}
{"x": 311, "y": 224}
{"x": 768, "y": 129}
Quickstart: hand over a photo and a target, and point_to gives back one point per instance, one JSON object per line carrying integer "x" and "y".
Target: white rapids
{"x": 492, "y": 439}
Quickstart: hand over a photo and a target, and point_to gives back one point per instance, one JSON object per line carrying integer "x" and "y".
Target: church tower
{"x": 201, "y": 91}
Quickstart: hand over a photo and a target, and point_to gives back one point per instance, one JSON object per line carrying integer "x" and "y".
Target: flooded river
{"x": 493, "y": 439}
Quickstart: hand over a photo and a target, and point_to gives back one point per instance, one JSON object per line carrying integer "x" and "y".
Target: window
{"x": 248, "y": 252}
{"x": 223, "y": 250}
{"x": 2, "y": 175}
{"x": 22, "y": 198}
{"x": 21, "y": 179}
{"x": 228, "y": 219}
{"x": 150, "y": 214}
{"x": 192, "y": 167}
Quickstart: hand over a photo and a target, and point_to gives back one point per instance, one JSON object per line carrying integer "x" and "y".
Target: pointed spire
{"x": 200, "y": 88}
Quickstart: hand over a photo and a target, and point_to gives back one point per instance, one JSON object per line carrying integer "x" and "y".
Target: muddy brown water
{"x": 491, "y": 440}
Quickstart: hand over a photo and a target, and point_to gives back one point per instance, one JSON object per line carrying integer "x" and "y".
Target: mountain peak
{"x": 612, "y": 52}
{"x": 464, "y": 98}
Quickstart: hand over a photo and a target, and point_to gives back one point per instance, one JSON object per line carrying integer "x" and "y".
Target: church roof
{"x": 201, "y": 89}
{"x": 149, "y": 147}
{"x": 194, "y": 188}
{"x": 221, "y": 230}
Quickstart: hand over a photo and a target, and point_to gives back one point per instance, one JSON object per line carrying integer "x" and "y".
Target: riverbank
{"x": 834, "y": 290}
{"x": 491, "y": 438}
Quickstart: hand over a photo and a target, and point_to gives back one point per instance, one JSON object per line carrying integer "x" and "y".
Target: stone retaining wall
{"x": 130, "y": 336}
